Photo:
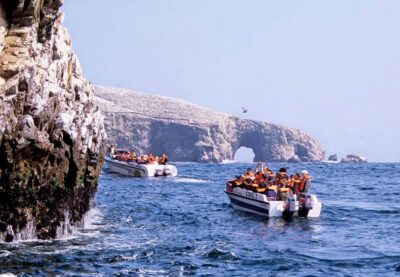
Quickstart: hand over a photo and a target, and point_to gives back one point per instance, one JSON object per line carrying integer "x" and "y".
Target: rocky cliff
{"x": 51, "y": 133}
{"x": 187, "y": 132}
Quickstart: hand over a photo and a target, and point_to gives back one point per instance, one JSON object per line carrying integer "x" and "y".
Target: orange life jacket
{"x": 303, "y": 182}
{"x": 259, "y": 178}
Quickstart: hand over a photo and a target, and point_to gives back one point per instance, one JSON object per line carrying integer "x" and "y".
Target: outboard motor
{"x": 158, "y": 172}
{"x": 308, "y": 202}
{"x": 306, "y": 205}
{"x": 166, "y": 172}
{"x": 291, "y": 208}
{"x": 293, "y": 203}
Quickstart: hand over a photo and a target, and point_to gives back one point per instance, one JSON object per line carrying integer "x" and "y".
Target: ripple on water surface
{"x": 184, "y": 225}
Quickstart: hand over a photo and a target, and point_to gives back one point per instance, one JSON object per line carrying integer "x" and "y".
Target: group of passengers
{"x": 131, "y": 156}
{"x": 275, "y": 186}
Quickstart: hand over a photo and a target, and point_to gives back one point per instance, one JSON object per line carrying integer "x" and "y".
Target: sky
{"x": 328, "y": 68}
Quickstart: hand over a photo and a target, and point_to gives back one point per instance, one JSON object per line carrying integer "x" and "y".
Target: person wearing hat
{"x": 281, "y": 177}
{"x": 281, "y": 181}
{"x": 304, "y": 182}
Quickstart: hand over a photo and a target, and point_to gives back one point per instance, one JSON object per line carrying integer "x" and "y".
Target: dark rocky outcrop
{"x": 51, "y": 133}
{"x": 187, "y": 132}
{"x": 353, "y": 158}
{"x": 333, "y": 158}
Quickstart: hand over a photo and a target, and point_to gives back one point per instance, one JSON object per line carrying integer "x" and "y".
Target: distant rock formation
{"x": 187, "y": 132}
{"x": 353, "y": 158}
{"x": 51, "y": 133}
{"x": 333, "y": 158}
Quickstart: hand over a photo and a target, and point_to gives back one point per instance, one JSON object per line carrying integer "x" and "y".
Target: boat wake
{"x": 189, "y": 180}
{"x": 228, "y": 162}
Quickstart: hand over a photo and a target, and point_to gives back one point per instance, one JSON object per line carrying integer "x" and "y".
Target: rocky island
{"x": 51, "y": 133}
{"x": 187, "y": 132}
{"x": 333, "y": 158}
{"x": 353, "y": 158}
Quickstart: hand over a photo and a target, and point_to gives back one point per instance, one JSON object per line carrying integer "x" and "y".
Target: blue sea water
{"x": 185, "y": 226}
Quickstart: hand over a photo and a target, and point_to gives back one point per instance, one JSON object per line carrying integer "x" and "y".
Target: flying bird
{"x": 244, "y": 110}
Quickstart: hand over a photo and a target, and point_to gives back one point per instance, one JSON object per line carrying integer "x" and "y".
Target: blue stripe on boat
{"x": 238, "y": 195}
{"x": 125, "y": 166}
{"x": 248, "y": 206}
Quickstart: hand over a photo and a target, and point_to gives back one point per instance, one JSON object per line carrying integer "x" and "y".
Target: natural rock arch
{"x": 244, "y": 154}
{"x": 187, "y": 132}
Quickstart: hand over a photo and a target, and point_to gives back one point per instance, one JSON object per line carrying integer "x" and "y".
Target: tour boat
{"x": 258, "y": 203}
{"x": 135, "y": 169}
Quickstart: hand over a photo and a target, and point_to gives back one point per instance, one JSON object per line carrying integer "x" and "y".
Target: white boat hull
{"x": 257, "y": 203}
{"x": 140, "y": 170}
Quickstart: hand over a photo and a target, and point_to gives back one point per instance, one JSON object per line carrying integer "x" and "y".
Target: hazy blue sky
{"x": 329, "y": 68}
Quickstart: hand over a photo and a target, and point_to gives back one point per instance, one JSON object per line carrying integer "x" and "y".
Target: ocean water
{"x": 185, "y": 226}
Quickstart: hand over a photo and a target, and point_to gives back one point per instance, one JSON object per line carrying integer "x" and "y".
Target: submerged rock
{"x": 187, "y": 132}
{"x": 353, "y": 158}
{"x": 51, "y": 133}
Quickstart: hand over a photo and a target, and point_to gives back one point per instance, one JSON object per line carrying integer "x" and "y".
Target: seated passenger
{"x": 163, "y": 159}
{"x": 242, "y": 182}
{"x": 281, "y": 177}
{"x": 249, "y": 174}
{"x": 291, "y": 181}
{"x": 238, "y": 181}
{"x": 150, "y": 159}
{"x": 142, "y": 159}
{"x": 296, "y": 183}
{"x": 132, "y": 156}
{"x": 250, "y": 185}
{"x": 304, "y": 182}
{"x": 271, "y": 191}
{"x": 282, "y": 181}
{"x": 259, "y": 177}
{"x": 124, "y": 157}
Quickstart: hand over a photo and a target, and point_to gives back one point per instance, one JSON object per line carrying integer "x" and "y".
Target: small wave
{"x": 130, "y": 258}
{"x": 7, "y": 275}
{"x": 151, "y": 272}
{"x": 189, "y": 180}
{"x": 4, "y": 253}
{"x": 121, "y": 258}
{"x": 222, "y": 255}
